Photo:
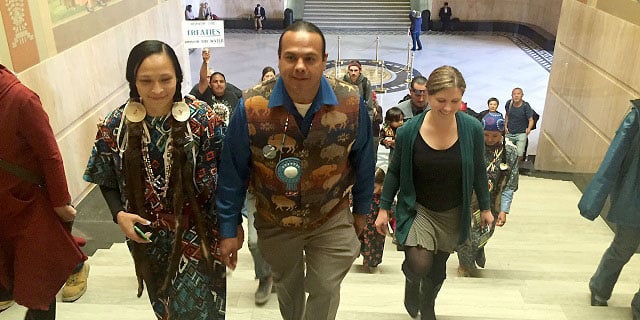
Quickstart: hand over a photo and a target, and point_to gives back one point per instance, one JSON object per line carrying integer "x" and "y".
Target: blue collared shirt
{"x": 235, "y": 163}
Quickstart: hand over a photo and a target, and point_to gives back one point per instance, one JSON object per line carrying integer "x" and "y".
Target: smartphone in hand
{"x": 141, "y": 233}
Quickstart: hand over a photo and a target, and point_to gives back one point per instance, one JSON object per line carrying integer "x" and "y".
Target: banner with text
{"x": 21, "y": 39}
{"x": 203, "y": 33}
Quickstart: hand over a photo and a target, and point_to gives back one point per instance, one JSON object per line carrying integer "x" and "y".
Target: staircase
{"x": 379, "y": 15}
{"x": 538, "y": 268}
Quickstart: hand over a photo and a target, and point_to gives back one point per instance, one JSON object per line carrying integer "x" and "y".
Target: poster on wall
{"x": 64, "y": 10}
{"x": 75, "y": 21}
{"x": 21, "y": 39}
{"x": 203, "y": 33}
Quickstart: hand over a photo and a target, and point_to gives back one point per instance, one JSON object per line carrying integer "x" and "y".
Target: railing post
{"x": 381, "y": 88}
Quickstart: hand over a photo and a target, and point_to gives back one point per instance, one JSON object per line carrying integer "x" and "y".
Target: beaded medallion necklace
{"x": 159, "y": 182}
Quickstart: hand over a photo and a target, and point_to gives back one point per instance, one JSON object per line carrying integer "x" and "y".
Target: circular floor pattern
{"x": 394, "y": 76}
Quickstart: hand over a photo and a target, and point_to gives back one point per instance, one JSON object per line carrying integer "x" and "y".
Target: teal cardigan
{"x": 474, "y": 174}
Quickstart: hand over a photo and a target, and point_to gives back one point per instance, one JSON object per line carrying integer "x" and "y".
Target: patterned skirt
{"x": 372, "y": 243}
{"x": 196, "y": 291}
{"x": 433, "y": 230}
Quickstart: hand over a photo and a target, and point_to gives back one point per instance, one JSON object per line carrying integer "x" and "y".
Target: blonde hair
{"x": 445, "y": 77}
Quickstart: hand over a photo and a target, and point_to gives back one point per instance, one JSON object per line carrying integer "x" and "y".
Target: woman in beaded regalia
{"x": 155, "y": 160}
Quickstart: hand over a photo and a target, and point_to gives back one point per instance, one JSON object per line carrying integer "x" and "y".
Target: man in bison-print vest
{"x": 314, "y": 209}
{"x": 303, "y": 142}
{"x": 326, "y": 176}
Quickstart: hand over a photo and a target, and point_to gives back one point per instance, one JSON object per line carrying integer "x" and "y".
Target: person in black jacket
{"x": 445, "y": 16}
{"x": 259, "y": 14}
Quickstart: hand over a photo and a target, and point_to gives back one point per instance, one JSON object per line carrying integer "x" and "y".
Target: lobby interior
{"x": 539, "y": 263}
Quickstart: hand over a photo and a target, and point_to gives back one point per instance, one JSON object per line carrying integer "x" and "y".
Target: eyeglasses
{"x": 419, "y": 92}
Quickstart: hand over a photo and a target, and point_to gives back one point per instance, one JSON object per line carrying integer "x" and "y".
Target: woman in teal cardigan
{"x": 437, "y": 165}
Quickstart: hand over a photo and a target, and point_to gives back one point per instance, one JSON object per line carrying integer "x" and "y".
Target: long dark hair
{"x": 143, "y": 50}
{"x": 133, "y": 162}
{"x": 181, "y": 188}
{"x": 266, "y": 70}
{"x": 393, "y": 114}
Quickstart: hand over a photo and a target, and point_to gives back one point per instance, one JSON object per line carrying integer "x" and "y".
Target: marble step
{"x": 538, "y": 267}
{"x": 361, "y": 3}
{"x": 357, "y": 10}
{"x": 358, "y": 15}
{"x": 355, "y": 27}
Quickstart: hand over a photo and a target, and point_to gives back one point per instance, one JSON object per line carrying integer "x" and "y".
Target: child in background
{"x": 393, "y": 120}
{"x": 492, "y": 104}
{"x": 372, "y": 242}
{"x": 376, "y": 122}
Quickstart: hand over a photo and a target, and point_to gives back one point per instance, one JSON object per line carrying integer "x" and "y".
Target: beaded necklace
{"x": 135, "y": 112}
{"x": 159, "y": 183}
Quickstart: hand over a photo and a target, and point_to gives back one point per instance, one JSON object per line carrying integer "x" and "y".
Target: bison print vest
{"x": 325, "y": 177}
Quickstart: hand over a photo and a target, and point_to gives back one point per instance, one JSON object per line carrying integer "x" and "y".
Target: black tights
{"x": 420, "y": 263}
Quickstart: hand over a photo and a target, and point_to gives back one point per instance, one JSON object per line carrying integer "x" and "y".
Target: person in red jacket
{"x": 37, "y": 251}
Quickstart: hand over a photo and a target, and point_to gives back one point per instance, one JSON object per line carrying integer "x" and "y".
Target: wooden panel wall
{"x": 595, "y": 73}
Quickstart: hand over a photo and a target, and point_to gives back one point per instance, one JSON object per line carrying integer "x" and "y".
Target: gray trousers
{"x": 624, "y": 245}
{"x": 261, "y": 267}
{"x": 312, "y": 261}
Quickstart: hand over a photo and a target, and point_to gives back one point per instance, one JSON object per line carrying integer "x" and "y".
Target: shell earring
{"x": 134, "y": 111}
{"x": 180, "y": 111}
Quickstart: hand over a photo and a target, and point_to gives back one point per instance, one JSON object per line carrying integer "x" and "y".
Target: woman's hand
{"x": 127, "y": 220}
{"x": 382, "y": 222}
{"x": 391, "y": 144}
{"x": 502, "y": 219}
{"x": 486, "y": 217}
{"x": 65, "y": 213}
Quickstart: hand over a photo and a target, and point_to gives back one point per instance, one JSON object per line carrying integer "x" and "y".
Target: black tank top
{"x": 437, "y": 175}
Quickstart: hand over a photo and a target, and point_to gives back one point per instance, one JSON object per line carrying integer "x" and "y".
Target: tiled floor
{"x": 492, "y": 63}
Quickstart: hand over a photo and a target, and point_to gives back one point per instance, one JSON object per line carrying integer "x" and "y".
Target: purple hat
{"x": 493, "y": 121}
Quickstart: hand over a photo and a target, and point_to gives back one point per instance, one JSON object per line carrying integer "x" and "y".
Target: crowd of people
{"x": 204, "y": 12}
{"x": 295, "y": 155}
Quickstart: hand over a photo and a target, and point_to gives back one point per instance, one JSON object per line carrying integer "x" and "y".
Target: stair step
{"x": 356, "y": 11}
{"x": 549, "y": 281}
{"x": 364, "y": 3}
{"x": 352, "y": 20}
{"x": 390, "y": 24}
{"x": 353, "y": 14}
{"x": 358, "y": 6}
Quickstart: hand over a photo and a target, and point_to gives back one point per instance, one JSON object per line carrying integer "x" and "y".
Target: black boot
{"x": 411, "y": 292}
{"x": 411, "y": 297}
{"x": 428, "y": 299}
{"x": 436, "y": 289}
